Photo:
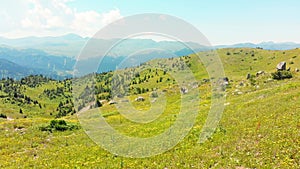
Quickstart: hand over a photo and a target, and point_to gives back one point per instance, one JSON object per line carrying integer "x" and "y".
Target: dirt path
{"x": 86, "y": 108}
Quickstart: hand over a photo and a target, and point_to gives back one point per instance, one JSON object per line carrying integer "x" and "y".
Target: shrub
{"x": 3, "y": 116}
{"x": 154, "y": 94}
{"x": 252, "y": 80}
{"x": 98, "y": 104}
{"x": 279, "y": 75}
{"x": 59, "y": 125}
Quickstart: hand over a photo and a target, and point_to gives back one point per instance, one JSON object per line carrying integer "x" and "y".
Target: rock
{"x": 226, "y": 104}
{"x": 112, "y": 102}
{"x": 103, "y": 101}
{"x": 140, "y": 99}
{"x": 226, "y": 79}
{"x": 195, "y": 85}
{"x": 225, "y": 83}
{"x": 239, "y": 93}
{"x": 297, "y": 70}
{"x": 205, "y": 80}
{"x": 184, "y": 90}
{"x": 281, "y": 66}
{"x": 261, "y": 72}
{"x": 120, "y": 96}
{"x": 9, "y": 118}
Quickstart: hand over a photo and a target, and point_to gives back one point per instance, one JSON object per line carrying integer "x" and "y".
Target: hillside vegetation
{"x": 259, "y": 128}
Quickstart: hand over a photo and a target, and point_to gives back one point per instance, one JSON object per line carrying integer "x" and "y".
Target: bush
{"x": 3, "y": 116}
{"x": 59, "y": 125}
{"x": 154, "y": 94}
{"x": 252, "y": 80}
{"x": 279, "y": 75}
{"x": 98, "y": 104}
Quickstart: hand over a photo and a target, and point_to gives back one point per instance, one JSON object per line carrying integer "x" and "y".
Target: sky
{"x": 221, "y": 21}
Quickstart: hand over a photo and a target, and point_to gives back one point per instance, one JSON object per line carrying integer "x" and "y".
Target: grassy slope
{"x": 259, "y": 128}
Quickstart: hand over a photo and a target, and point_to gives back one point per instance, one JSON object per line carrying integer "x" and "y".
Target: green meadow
{"x": 259, "y": 127}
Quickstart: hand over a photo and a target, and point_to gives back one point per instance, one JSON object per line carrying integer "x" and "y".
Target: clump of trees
{"x": 54, "y": 93}
{"x": 34, "y": 80}
{"x": 14, "y": 91}
{"x": 60, "y": 91}
{"x": 65, "y": 108}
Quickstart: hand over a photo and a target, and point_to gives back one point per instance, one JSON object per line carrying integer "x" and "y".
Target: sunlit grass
{"x": 260, "y": 128}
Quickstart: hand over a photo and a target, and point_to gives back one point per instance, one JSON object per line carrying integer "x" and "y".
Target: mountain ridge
{"x": 71, "y": 44}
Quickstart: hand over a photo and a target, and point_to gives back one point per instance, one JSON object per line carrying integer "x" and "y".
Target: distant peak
{"x": 72, "y": 36}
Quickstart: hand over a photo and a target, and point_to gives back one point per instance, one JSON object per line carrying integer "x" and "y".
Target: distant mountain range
{"x": 265, "y": 45}
{"x": 56, "y": 56}
{"x": 17, "y": 63}
{"x": 10, "y": 69}
{"x": 71, "y": 44}
{"x": 67, "y": 45}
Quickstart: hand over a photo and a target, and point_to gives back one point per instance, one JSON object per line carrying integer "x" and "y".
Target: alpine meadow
{"x": 149, "y": 84}
{"x": 259, "y": 126}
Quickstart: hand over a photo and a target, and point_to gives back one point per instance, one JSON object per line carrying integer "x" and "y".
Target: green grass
{"x": 260, "y": 126}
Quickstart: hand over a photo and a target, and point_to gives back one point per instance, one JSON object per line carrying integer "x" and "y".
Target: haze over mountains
{"x": 17, "y": 63}
{"x": 56, "y": 56}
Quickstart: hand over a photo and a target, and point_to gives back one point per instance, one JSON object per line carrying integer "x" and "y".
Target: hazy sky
{"x": 222, "y": 22}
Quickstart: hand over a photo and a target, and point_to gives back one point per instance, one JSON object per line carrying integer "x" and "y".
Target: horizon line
{"x": 156, "y": 40}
